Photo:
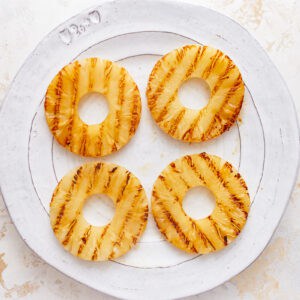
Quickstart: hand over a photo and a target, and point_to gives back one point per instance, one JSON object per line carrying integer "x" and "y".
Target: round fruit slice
{"x": 98, "y": 242}
{"x": 227, "y": 219}
{"x": 75, "y": 81}
{"x": 226, "y": 93}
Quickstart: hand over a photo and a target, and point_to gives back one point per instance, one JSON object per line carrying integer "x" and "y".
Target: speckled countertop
{"x": 276, "y": 273}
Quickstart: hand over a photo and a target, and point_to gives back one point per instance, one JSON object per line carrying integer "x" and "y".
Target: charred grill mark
{"x": 135, "y": 112}
{"x": 159, "y": 90}
{"x": 75, "y": 84}
{"x": 156, "y": 67}
{"x": 237, "y": 201}
{"x": 173, "y": 166}
{"x": 106, "y": 186}
{"x": 176, "y": 121}
{"x": 122, "y": 85}
{"x": 99, "y": 142}
{"x": 144, "y": 217}
{"x": 117, "y": 125}
{"x": 238, "y": 176}
{"x": 114, "y": 147}
{"x": 70, "y": 232}
{"x": 204, "y": 48}
{"x": 58, "y": 99}
{"x": 134, "y": 240}
{"x": 84, "y": 239}
{"x": 96, "y": 173}
{"x": 206, "y": 241}
{"x": 83, "y": 140}
{"x": 224, "y": 209}
{"x": 180, "y": 53}
{"x": 218, "y": 119}
{"x": 117, "y": 242}
{"x": 128, "y": 216}
{"x": 155, "y": 195}
{"x": 95, "y": 254}
{"x": 92, "y": 181}
{"x": 103, "y": 233}
{"x": 218, "y": 230}
{"x": 93, "y": 62}
{"x": 234, "y": 87}
{"x": 240, "y": 204}
{"x": 185, "y": 182}
{"x": 232, "y": 91}
{"x": 67, "y": 198}
{"x": 55, "y": 193}
{"x": 190, "y": 163}
{"x": 236, "y": 228}
{"x": 68, "y": 140}
{"x": 123, "y": 187}
{"x": 142, "y": 226}
{"x": 167, "y": 186}
{"x": 89, "y": 187}
{"x": 214, "y": 124}
{"x": 189, "y": 244}
{"x": 193, "y": 65}
{"x": 234, "y": 114}
{"x": 99, "y": 243}
{"x": 177, "y": 228}
{"x": 224, "y": 76}
{"x": 97, "y": 168}
{"x": 189, "y": 71}
{"x": 107, "y": 74}
{"x": 113, "y": 170}
{"x": 59, "y": 216}
{"x": 228, "y": 166}
{"x": 166, "y": 108}
{"x": 75, "y": 180}
{"x": 211, "y": 65}
{"x": 189, "y": 133}
{"x": 243, "y": 184}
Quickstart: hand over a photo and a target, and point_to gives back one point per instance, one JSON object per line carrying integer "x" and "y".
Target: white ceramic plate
{"x": 264, "y": 145}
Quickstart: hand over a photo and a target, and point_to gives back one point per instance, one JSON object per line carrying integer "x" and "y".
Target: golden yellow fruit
{"x": 227, "y": 219}
{"x": 226, "y": 87}
{"x": 98, "y": 242}
{"x": 75, "y": 81}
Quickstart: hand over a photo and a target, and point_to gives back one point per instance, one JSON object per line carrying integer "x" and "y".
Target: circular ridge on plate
{"x": 264, "y": 83}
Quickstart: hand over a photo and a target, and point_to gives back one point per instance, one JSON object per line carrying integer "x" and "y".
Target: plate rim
{"x": 117, "y": 292}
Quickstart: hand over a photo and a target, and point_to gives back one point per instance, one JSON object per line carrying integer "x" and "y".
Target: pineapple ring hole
{"x": 98, "y": 210}
{"x": 194, "y": 93}
{"x": 199, "y": 202}
{"x": 93, "y": 108}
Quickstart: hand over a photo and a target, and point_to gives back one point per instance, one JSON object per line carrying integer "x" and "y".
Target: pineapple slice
{"x": 98, "y": 242}
{"x": 227, "y": 219}
{"x": 75, "y": 81}
{"x": 226, "y": 87}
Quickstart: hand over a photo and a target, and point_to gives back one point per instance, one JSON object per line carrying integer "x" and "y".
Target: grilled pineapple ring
{"x": 226, "y": 86}
{"x": 227, "y": 219}
{"x": 98, "y": 242}
{"x": 75, "y": 81}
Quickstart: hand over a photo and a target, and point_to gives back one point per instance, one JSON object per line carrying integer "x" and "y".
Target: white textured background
{"x": 276, "y": 273}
